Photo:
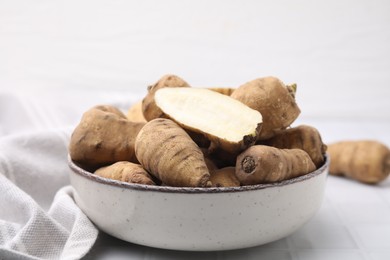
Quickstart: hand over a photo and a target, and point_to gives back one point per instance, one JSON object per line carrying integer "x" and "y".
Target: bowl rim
{"x": 144, "y": 187}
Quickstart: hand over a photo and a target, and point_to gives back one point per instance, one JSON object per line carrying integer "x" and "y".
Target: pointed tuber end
{"x": 292, "y": 89}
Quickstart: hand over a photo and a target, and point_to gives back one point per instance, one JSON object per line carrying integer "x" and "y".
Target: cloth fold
{"x": 39, "y": 218}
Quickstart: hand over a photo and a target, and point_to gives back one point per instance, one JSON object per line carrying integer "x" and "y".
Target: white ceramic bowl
{"x": 199, "y": 219}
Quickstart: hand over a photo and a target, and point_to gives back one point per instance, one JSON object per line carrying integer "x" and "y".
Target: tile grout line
{"x": 380, "y": 194}
{"x": 351, "y": 232}
{"x": 291, "y": 249}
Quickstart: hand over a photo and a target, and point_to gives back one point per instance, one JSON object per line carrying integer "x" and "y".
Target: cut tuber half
{"x": 228, "y": 123}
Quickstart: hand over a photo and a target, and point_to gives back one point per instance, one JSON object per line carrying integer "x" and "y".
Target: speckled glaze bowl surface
{"x": 199, "y": 219}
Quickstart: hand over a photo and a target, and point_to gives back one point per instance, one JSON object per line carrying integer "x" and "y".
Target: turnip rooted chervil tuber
{"x": 274, "y": 100}
{"x": 302, "y": 137}
{"x": 103, "y": 136}
{"x": 166, "y": 151}
{"x": 126, "y": 172}
{"x": 266, "y": 164}
{"x": 366, "y": 161}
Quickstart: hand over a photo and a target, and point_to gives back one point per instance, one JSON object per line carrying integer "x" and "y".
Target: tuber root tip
{"x": 249, "y": 140}
{"x": 292, "y": 89}
{"x": 248, "y": 164}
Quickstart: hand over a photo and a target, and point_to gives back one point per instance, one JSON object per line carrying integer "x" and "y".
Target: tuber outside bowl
{"x": 199, "y": 219}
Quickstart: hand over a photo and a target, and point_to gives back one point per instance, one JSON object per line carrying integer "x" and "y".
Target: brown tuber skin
{"x": 135, "y": 114}
{"x": 266, "y": 164}
{"x": 210, "y": 163}
{"x": 224, "y": 91}
{"x": 103, "y": 136}
{"x": 223, "y": 158}
{"x": 224, "y": 177}
{"x": 200, "y": 139}
{"x": 166, "y": 151}
{"x": 126, "y": 172}
{"x": 149, "y": 107}
{"x": 302, "y": 137}
{"x": 157, "y": 134}
{"x": 274, "y": 100}
{"x": 365, "y": 160}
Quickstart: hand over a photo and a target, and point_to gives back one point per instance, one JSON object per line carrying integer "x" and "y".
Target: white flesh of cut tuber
{"x": 228, "y": 123}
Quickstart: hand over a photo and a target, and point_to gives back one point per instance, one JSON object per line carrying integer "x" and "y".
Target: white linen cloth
{"x": 38, "y": 215}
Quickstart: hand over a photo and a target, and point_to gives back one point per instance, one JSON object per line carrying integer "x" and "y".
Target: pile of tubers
{"x": 183, "y": 136}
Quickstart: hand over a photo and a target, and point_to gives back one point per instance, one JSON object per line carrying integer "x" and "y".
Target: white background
{"x": 336, "y": 51}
